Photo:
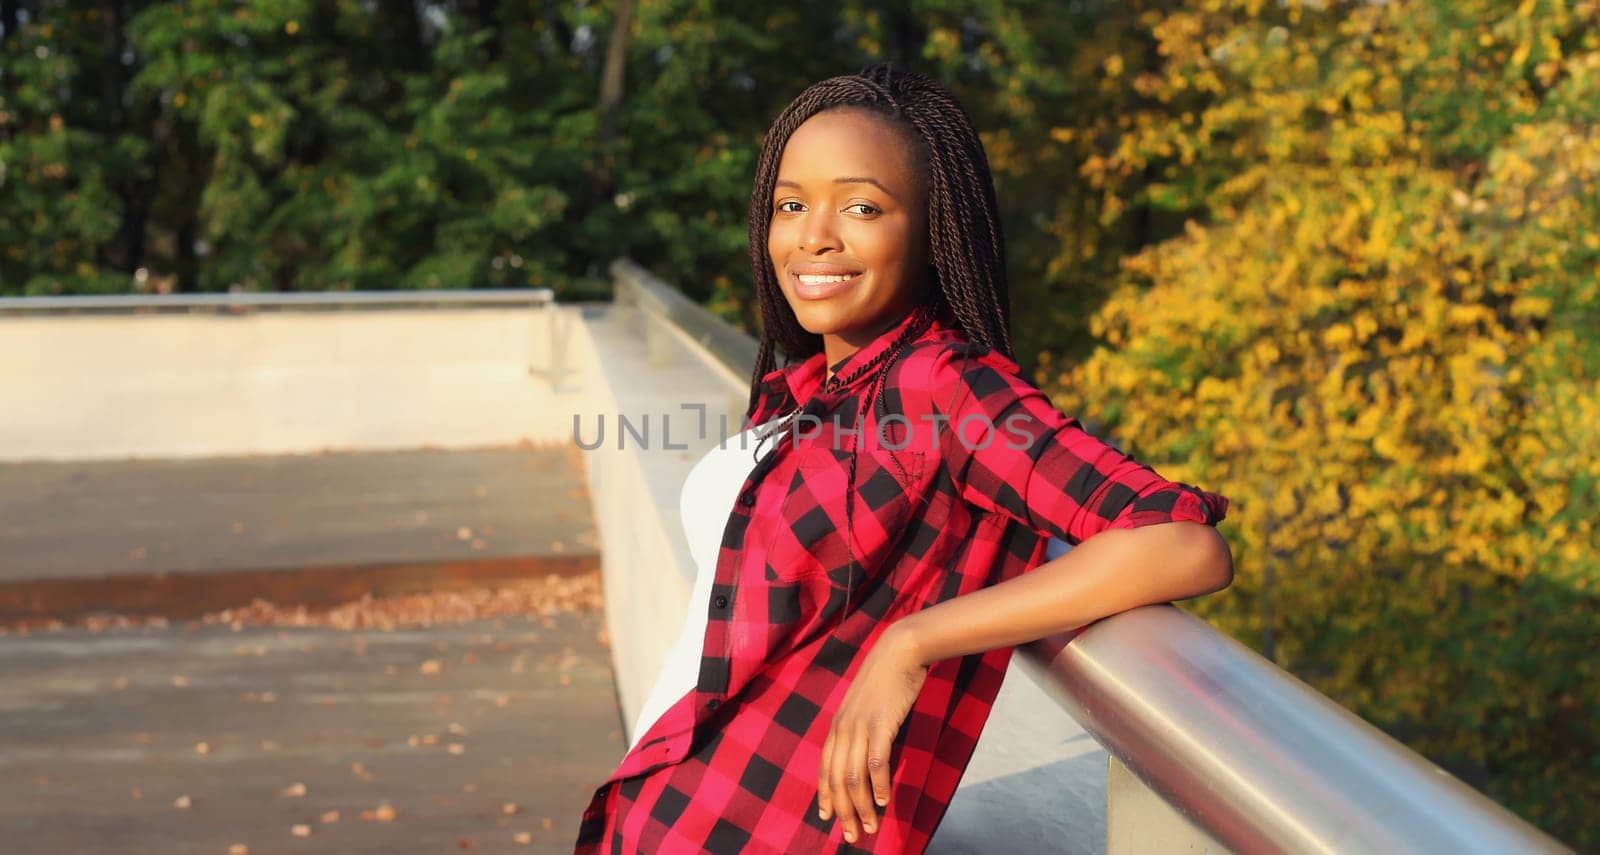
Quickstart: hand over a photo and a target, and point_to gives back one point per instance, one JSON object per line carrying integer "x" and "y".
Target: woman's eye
{"x": 862, "y": 208}
{"x": 790, "y": 206}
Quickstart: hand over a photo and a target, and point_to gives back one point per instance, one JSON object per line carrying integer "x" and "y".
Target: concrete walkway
{"x": 233, "y": 737}
{"x": 486, "y": 736}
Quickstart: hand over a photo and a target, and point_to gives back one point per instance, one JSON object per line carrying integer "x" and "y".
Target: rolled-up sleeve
{"x": 1010, "y": 451}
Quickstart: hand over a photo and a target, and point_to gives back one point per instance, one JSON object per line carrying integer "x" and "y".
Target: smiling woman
{"x": 881, "y": 560}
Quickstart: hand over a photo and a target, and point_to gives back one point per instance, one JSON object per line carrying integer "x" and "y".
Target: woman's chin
{"x": 817, "y": 319}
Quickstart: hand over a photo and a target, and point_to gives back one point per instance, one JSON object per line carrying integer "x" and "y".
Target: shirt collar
{"x": 784, "y": 388}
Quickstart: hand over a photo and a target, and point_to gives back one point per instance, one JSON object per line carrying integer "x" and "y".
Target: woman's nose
{"x": 819, "y": 232}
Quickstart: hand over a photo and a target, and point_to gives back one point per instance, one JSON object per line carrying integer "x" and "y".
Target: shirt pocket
{"x": 810, "y": 543}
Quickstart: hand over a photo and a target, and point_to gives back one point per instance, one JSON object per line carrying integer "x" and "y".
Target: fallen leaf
{"x": 508, "y": 808}
{"x": 293, "y": 791}
{"x": 202, "y": 748}
{"x": 238, "y": 849}
{"x": 522, "y": 837}
{"x": 546, "y": 824}
{"x": 330, "y": 816}
{"x": 182, "y": 802}
{"x": 179, "y": 680}
{"x": 456, "y": 728}
{"x": 456, "y": 748}
{"x": 463, "y": 533}
{"x": 137, "y": 794}
{"x": 431, "y": 666}
{"x": 300, "y": 830}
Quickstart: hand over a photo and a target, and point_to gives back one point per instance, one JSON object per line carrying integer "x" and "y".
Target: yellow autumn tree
{"x": 1378, "y": 335}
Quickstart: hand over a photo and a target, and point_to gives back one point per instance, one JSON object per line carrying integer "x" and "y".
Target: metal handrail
{"x": 275, "y": 300}
{"x": 1241, "y": 748}
{"x": 1252, "y": 755}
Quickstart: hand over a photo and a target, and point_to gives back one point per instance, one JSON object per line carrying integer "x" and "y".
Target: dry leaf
{"x": 300, "y": 830}
{"x": 238, "y": 849}
{"x": 182, "y": 802}
{"x": 508, "y": 808}
{"x": 202, "y": 748}
{"x": 330, "y": 816}
{"x": 179, "y": 680}
{"x": 456, "y": 728}
{"x": 522, "y": 837}
{"x": 431, "y": 666}
{"x": 456, "y": 748}
{"x": 293, "y": 791}
{"x": 136, "y": 793}
{"x": 546, "y": 824}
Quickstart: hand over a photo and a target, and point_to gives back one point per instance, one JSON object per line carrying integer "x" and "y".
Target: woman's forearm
{"x": 1111, "y": 572}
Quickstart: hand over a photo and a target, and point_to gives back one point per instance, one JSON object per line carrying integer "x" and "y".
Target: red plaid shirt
{"x": 985, "y": 472}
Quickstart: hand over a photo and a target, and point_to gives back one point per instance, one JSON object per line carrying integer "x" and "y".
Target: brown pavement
{"x": 181, "y": 537}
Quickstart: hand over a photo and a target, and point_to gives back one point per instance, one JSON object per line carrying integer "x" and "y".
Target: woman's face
{"x": 848, "y": 235}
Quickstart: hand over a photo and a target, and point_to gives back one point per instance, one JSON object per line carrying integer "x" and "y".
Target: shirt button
{"x": 747, "y": 498}
{"x": 713, "y": 704}
{"x": 721, "y": 602}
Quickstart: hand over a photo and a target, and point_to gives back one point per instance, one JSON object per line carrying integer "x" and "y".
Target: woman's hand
{"x": 855, "y": 757}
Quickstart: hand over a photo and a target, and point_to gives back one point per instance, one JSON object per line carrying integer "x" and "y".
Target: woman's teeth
{"x": 810, "y": 279}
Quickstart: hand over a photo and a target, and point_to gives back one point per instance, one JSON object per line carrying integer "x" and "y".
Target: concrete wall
{"x": 200, "y": 385}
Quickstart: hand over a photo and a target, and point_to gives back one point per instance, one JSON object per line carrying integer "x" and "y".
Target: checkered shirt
{"x": 964, "y": 471}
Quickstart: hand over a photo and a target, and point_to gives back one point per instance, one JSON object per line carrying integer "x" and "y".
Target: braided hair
{"x": 966, "y": 249}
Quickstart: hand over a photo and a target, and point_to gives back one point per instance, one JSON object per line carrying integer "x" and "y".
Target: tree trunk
{"x": 612, "y": 80}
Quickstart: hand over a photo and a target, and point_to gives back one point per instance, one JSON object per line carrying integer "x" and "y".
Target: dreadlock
{"x": 965, "y": 246}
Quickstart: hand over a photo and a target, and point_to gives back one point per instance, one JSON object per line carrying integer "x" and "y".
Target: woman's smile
{"x": 821, "y": 281}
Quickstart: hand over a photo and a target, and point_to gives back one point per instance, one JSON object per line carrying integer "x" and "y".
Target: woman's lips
{"x": 816, "y": 286}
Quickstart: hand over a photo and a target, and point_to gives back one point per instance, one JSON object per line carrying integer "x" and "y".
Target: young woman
{"x": 879, "y": 556}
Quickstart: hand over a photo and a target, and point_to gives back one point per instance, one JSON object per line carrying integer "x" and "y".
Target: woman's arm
{"x": 1109, "y": 573}
{"x": 1112, "y": 572}
{"x": 1139, "y": 539}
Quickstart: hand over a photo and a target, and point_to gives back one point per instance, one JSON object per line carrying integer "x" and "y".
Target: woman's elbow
{"x": 1210, "y": 568}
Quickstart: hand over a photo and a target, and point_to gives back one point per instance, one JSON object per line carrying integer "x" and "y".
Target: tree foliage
{"x": 1377, "y": 334}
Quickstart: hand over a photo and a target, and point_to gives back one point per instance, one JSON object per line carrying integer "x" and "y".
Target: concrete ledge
{"x": 190, "y": 595}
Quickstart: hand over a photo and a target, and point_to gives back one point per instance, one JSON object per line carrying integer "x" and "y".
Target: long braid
{"x": 966, "y": 244}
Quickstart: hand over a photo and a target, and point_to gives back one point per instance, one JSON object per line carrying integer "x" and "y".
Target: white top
{"x": 707, "y": 500}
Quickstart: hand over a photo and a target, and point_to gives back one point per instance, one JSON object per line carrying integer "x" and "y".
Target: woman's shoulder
{"x": 942, "y": 369}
